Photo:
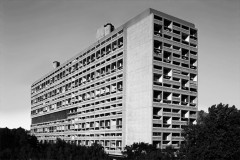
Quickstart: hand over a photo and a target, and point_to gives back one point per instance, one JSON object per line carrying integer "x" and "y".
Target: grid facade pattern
{"x": 84, "y": 100}
{"x": 81, "y": 102}
{"x": 174, "y": 80}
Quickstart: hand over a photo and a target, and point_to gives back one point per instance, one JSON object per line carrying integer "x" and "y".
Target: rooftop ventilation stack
{"x": 56, "y": 64}
{"x": 104, "y": 30}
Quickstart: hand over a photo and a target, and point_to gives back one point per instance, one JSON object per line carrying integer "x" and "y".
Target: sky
{"x": 34, "y": 33}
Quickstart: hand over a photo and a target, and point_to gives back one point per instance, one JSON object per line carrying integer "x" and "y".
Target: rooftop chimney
{"x": 108, "y": 28}
{"x": 104, "y": 30}
{"x": 56, "y": 64}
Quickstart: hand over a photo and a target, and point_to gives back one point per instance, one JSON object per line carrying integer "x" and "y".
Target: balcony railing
{"x": 166, "y": 101}
{"x": 166, "y": 60}
{"x": 158, "y": 33}
{"x": 193, "y": 67}
{"x": 166, "y": 76}
{"x": 193, "y": 104}
{"x": 157, "y": 99}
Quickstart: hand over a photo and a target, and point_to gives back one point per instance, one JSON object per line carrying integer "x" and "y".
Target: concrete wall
{"x": 138, "y": 89}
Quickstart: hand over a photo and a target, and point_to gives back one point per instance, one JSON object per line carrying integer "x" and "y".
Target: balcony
{"x": 167, "y": 73}
{"x": 114, "y": 45}
{"x": 168, "y": 25}
{"x": 167, "y": 114}
{"x": 193, "y": 84}
{"x": 157, "y": 51}
{"x": 178, "y": 122}
{"x": 192, "y": 116}
{"x": 157, "y": 96}
{"x": 120, "y": 42}
{"x": 158, "y": 33}
{"x": 158, "y": 30}
{"x": 185, "y": 57}
{"x": 174, "y": 82}
{"x": 184, "y": 103}
{"x": 156, "y": 138}
{"x": 193, "y": 41}
{"x": 108, "y": 49}
{"x": 157, "y": 69}
{"x": 193, "y": 34}
{"x": 185, "y": 88}
{"x": 157, "y": 79}
{"x": 120, "y": 64}
{"x": 167, "y": 60}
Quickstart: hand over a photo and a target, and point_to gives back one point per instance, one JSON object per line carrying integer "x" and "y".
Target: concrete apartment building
{"x": 136, "y": 83}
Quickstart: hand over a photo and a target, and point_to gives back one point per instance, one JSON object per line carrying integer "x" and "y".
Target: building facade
{"x": 137, "y": 83}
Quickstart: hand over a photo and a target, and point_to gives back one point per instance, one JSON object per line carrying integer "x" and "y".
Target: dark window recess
{"x": 176, "y": 55}
{"x": 185, "y": 27}
{"x": 185, "y": 65}
{"x": 50, "y": 117}
{"x": 157, "y": 18}
{"x": 157, "y": 67}
{"x": 157, "y": 58}
{"x": 176, "y": 31}
{"x": 176, "y": 63}
{"x": 176, "y": 24}
{"x": 176, "y": 39}
{"x": 194, "y": 53}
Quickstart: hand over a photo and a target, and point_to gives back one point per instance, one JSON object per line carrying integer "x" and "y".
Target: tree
{"x": 217, "y": 136}
{"x": 200, "y": 116}
{"x": 138, "y": 150}
{"x": 145, "y": 151}
{"x": 18, "y": 144}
